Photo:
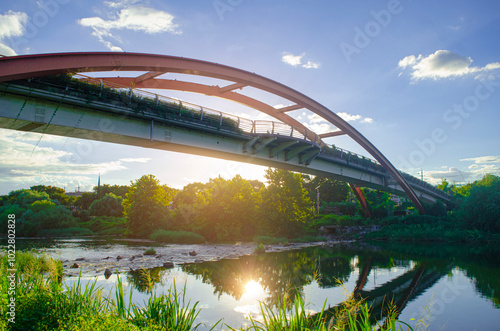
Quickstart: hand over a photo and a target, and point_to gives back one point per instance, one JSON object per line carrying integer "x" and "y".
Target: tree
{"x": 108, "y": 205}
{"x": 146, "y": 206}
{"x": 228, "y": 209}
{"x": 45, "y": 214}
{"x": 55, "y": 193}
{"x": 379, "y": 202}
{"x": 330, "y": 190}
{"x": 118, "y": 190}
{"x": 86, "y": 200}
{"x": 480, "y": 210}
{"x": 285, "y": 206}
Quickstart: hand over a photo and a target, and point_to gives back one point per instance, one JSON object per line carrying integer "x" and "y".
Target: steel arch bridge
{"x": 30, "y": 66}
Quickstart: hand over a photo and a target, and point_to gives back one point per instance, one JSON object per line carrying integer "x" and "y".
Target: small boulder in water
{"x": 107, "y": 273}
{"x": 75, "y": 266}
{"x": 168, "y": 264}
{"x": 193, "y": 253}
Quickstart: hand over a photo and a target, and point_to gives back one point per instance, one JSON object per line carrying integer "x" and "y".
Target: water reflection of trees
{"x": 285, "y": 274}
{"x": 144, "y": 280}
{"x": 280, "y": 274}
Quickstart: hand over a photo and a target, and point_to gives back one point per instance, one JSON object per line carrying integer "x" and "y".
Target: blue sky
{"x": 420, "y": 79}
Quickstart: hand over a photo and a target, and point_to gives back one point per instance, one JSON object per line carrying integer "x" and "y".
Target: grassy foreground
{"x": 42, "y": 303}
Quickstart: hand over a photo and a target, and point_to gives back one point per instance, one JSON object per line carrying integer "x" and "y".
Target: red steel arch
{"x": 27, "y": 66}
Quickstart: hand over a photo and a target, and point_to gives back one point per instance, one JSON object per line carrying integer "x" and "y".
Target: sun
{"x": 253, "y": 289}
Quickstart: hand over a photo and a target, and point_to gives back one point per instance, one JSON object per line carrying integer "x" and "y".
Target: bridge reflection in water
{"x": 377, "y": 274}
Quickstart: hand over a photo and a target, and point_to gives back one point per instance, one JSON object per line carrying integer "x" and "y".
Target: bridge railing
{"x": 243, "y": 124}
{"x": 282, "y": 129}
{"x": 412, "y": 179}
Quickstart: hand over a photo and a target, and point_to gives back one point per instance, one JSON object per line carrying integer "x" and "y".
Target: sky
{"x": 419, "y": 79}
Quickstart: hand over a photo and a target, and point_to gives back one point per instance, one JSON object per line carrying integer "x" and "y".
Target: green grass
{"x": 150, "y": 251}
{"x": 291, "y": 316}
{"x": 177, "y": 237}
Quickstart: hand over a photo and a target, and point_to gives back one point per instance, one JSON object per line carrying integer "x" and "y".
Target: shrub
{"x": 150, "y": 251}
{"x": 177, "y": 237}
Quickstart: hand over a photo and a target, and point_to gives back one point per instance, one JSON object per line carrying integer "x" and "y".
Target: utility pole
{"x": 317, "y": 199}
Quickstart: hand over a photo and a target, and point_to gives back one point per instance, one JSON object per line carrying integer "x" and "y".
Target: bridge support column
{"x": 361, "y": 199}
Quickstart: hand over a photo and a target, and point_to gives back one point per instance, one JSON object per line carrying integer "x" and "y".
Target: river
{"x": 436, "y": 286}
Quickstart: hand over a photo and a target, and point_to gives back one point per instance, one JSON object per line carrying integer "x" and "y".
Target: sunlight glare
{"x": 253, "y": 290}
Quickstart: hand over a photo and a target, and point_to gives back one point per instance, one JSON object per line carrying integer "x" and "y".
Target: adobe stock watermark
{"x": 223, "y": 6}
{"x": 48, "y": 9}
{"x": 438, "y": 302}
{"x": 11, "y": 265}
{"x": 363, "y": 36}
{"x": 85, "y": 148}
{"x": 454, "y": 117}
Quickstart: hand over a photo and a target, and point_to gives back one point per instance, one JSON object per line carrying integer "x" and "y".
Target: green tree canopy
{"x": 45, "y": 214}
{"x": 118, "y": 190}
{"x": 108, "y": 205}
{"x": 330, "y": 190}
{"x": 228, "y": 209}
{"x": 481, "y": 209}
{"x": 146, "y": 206}
{"x": 55, "y": 193}
{"x": 285, "y": 206}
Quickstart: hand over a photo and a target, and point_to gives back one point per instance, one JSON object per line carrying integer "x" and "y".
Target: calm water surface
{"x": 446, "y": 287}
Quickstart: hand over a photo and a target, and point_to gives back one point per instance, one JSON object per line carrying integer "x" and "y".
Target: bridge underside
{"x": 27, "y": 110}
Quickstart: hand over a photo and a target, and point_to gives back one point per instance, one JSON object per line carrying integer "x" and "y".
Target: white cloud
{"x": 442, "y": 64}
{"x": 483, "y": 159}
{"x": 136, "y": 18}
{"x": 319, "y": 125}
{"x": 23, "y": 165}
{"x": 451, "y": 174}
{"x": 315, "y": 118}
{"x": 296, "y": 60}
{"x": 120, "y": 4}
{"x": 137, "y": 159}
{"x": 293, "y": 60}
{"x": 310, "y": 65}
{"x": 481, "y": 165}
{"x": 348, "y": 117}
{"x": 11, "y": 25}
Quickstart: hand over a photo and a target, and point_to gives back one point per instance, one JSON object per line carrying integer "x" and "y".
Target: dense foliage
{"x": 146, "y": 206}
{"x": 238, "y": 209}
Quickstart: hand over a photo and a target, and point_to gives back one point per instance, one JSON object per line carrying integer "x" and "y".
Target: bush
{"x": 150, "y": 251}
{"x": 106, "y": 225}
{"x": 177, "y": 237}
{"x": 108, "y": 205}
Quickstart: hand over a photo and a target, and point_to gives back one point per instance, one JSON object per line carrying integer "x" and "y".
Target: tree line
{"x": 227, "y": 209}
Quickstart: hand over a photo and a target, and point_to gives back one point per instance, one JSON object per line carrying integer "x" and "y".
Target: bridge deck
{"x": 260, "y": 142}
